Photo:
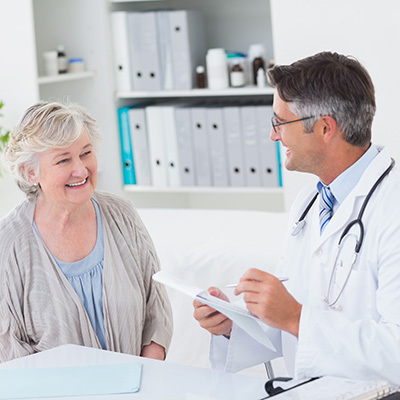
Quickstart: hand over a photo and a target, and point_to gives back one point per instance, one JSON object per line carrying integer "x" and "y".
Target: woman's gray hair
{"x": 329, "y": 84}
{"x": 45, "y": 126}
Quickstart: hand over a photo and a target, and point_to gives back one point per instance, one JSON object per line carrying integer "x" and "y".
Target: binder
{"x": 202, "y": 159}
{"x": 269, "y": 165}
{"x": 171, "y": 144}
{"x": 122, "y": 58}
{"x": 250, "y": 145}
{"x": 140, "y": 145}
{"x": 165, "y": 50}
{"x": 187, "y": 38}
{"x": 184, "y": 137}
{"x": 216, "y": 135}
{"x": 128, "y": 168}
{"x": 157, "y": 145}
{"x": 145, "y": 50}
{"x": 234, "y": 146}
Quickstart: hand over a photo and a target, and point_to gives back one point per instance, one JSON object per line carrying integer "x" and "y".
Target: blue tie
{"x": 325, "y": 207}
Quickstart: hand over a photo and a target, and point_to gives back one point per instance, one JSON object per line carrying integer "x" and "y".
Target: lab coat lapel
{"x": 350, "y": 208}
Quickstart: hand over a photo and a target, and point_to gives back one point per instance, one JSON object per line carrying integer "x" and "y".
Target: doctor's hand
{"x": 210, "y": 319}
{"x": 268, "y": 299}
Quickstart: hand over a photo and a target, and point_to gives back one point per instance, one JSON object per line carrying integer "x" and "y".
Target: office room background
{"x": 289, "y": 30}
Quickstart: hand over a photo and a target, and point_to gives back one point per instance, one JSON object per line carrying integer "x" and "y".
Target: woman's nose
{"x": 79, "y": 168}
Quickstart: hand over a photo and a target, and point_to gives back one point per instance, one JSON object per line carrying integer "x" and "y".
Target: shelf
{"x": 199, "y": 189}
{"x": 42, "y": 80}
{"x": 131, "y": 1}
{"x": 246, "y": 91}
{"x": 232, "y": 198}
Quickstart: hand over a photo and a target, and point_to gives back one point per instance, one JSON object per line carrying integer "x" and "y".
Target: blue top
{"x": 348, "y": 179}
{"x": 86, "y": 277}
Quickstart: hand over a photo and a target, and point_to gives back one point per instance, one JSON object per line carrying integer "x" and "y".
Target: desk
{"x": 160, "y": 379}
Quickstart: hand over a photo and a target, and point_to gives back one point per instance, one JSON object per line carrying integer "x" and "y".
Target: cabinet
{"x": 233, "y": 25}
{"x": 83, "y": 27}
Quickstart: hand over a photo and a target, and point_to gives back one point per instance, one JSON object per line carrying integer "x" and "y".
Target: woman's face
{"x": 68, "y": 176}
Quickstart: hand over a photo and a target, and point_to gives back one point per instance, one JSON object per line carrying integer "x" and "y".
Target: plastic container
{"x": 50, "y": 63}
{"x": 76, "y": 65}
{"x": 217, "y": 69}
{"x": 237, "y": 75}
{"x": 261, "y": 78}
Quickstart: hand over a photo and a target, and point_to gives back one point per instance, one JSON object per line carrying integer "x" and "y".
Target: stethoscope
{"x": 299, "y": 225}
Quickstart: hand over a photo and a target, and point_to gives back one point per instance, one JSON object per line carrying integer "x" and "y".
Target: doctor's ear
{"x": 328, "y": 127}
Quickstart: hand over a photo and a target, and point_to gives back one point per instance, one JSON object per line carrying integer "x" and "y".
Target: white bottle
{"x": 261, "y": 78}
{"x": 217, "y": 69}
{"x": 50, "y": 62}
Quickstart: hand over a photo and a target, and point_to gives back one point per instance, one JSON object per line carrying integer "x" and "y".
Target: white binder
{"x": 165, "y": 50}
{"x": 145, "y": 51}
{"x": 251, "y": 145}
{"x": 216, "y": 135}
{"x": 140, "y": 145}
{"x": 184, "y": 137}
{"x": 122, "y": 58}
{"x": 171, "y": 144}
{"x": 187, "y": 36}
{"x": 234, "y": 146}
{"x": 157, "y": 146}
{"x": 201, "y": 146}
{"x": 268, "y": 149}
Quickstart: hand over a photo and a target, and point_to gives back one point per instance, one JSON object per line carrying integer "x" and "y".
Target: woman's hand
{"x": 210, "y": 319}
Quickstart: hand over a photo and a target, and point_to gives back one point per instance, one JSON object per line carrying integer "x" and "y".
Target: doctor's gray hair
{"x": 45, "y": 126}
{"x": 329, "y": 84}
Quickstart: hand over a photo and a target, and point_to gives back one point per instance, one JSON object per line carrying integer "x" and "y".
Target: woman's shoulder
{"x": 16, "y": 223}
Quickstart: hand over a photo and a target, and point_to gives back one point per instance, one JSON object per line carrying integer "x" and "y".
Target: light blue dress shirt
{"x": 86, "y": 277}
{"x": 347, "y": 180}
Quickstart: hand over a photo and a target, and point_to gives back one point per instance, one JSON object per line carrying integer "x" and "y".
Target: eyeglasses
{"x": 276, "y": 124}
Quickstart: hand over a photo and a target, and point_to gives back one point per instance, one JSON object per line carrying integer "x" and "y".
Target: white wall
{"x": 18, "y": 73}
{"x": 366, "y": 29}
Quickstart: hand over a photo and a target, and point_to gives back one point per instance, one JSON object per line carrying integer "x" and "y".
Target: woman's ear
{"x": 30, "y": 174}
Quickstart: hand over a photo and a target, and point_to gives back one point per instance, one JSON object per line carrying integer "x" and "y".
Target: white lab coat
{"x": 362, "y": 339}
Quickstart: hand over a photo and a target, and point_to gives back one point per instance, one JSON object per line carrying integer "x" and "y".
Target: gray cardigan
{"x": 39, "y": 309}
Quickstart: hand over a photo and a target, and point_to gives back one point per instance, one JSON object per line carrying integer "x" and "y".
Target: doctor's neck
{"x": 338, "y": 160}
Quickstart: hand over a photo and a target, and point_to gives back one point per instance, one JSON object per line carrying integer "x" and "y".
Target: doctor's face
{"x": 303, "y": 150}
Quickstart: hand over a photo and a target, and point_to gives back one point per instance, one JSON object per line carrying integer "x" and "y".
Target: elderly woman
{"x": 76, "y": 264}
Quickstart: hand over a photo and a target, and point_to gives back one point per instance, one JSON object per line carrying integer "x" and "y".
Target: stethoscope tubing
{"x": 299, "y": 225}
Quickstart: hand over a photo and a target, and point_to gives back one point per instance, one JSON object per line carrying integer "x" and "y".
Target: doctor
{"x": 339, "y": 312}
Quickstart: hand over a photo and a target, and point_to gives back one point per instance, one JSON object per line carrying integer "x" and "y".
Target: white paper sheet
{"x": 236, "y": 311}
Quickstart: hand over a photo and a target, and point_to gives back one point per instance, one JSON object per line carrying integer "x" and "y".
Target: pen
{"x": 232, "y": 285}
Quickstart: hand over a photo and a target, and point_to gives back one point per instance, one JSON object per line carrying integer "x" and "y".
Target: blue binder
{"x": 128, "y": 166}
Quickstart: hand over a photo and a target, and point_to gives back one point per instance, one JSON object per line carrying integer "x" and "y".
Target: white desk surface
{"x": 160, "y": 379}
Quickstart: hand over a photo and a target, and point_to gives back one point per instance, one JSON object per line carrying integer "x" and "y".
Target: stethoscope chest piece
{"x": 298, "y": 227}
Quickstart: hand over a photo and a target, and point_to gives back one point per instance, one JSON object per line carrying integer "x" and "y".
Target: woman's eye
{"x": 86, "y": 153}
{"x": 63, "y": 161}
